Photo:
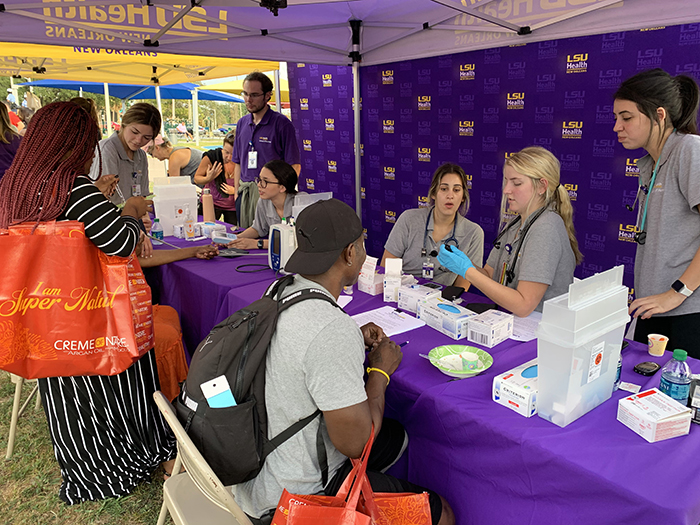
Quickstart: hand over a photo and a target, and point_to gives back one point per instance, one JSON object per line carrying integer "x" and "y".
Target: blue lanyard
{"x": 651, "y": 187}
{"x": 452, "y": 237}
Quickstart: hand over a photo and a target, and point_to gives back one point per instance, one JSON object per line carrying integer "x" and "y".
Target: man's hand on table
{"x": 373, "y": 335}
{"x": 386, "y": 356}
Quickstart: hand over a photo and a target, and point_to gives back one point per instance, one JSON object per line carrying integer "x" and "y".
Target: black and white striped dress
{"x": 107, "y": 433}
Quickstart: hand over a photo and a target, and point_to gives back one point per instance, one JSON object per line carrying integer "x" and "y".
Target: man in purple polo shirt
{"x": 261, "y": 136}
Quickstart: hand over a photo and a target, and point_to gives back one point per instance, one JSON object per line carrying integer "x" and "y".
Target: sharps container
{"x": 578, "y": 346}
{"x": 172, "y": 196}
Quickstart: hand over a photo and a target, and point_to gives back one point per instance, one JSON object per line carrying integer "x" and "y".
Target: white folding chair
{"x": 197, "y": 495}
{"x": 17, "y": 411}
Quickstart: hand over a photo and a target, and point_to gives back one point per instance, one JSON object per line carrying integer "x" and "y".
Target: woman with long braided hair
{"x": 9, "y": 140}
{"x": 106, "y": 431}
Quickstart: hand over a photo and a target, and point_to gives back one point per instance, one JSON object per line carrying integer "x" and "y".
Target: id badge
{"x": 428, "y": 270}
{"x": 252, "y": 160}
{"x": 218, "y": 393}
{"x": 136, "y": 184}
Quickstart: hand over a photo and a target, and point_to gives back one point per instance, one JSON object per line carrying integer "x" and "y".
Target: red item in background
{"x": 66, "y": 308}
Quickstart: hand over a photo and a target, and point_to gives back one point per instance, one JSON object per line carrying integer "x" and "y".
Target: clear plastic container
{"x": 676, "y": 377}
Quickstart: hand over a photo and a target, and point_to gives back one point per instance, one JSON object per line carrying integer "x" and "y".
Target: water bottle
{"x": 676, "y": 377}
{"x": 619, "y": 373}
{"x": 208, "y": 206}
{"x": 189, "y": 223}
{"x": 157, "y": 232}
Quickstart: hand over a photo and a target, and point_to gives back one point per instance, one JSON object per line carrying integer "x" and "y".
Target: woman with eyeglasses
{"x": 658, "y": 112}
{"x": 277, "y": 184}
{"x": 182, "y": 162}
{"x": 216, "y": 173}
{"x": 418, "y": 233}
{"x": 534, "y": 255}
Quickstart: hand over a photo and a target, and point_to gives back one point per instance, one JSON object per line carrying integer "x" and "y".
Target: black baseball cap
{"x": 323, "y": 230}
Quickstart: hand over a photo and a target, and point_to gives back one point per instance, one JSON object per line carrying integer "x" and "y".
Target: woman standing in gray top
{"x": 658, "y": 112}
{"x": 534, "y": 256}
{"x": 181, "y": 161}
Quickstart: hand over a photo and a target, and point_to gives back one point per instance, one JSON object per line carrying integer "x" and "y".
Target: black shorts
{"x": 386, "y": 450}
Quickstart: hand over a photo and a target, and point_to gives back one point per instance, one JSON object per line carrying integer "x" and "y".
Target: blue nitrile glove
{"x": 455, "y": 261}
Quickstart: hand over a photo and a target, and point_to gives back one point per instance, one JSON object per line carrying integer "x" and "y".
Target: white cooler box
{"x": 172, "y": 194}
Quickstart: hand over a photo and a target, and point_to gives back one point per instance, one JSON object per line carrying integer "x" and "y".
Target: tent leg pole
{"x": 278, "y": 90}
{"x": 355, "y": 55}
{"x": 195, "y": 116}
{"x": 160, "y": 110}
{"x": 108, "y": 110}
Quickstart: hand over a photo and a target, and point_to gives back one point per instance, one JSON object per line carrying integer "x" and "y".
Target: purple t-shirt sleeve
{"x": 288, "y": 142}
{"x": 237, "y": 142}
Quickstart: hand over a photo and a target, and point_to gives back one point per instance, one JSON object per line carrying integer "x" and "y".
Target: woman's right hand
{"x": 455, "y": 260}
{"x": 213, "y": 171}
{"x": 137, "y": 207}
{"x": 107, "y": 184}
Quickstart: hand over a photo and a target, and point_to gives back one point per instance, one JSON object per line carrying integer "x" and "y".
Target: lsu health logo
{"x": 489, "y": 144}
{"x": 330, "y": 124}
{"x": 315, "y": 92}
{"x": 604, "y": 114}
{"x": 546, "y": 83}
{"x": 388, "y": 103}
{"x": 390, "y": 216}
{"x": 594, "y": 242}
{"x": 389, "y": 173}
{"x": 570, "y": 161}
{"x": 544, "y": 115}
{"x": 424, "y": 76}
{"x": 489, "y": 171}
{"x": 388, "y": 126}
{"x": 488, "y": 198}
{"x": 492, "y": 86}
{"x": 307, "y": 145}
{"x": 649, "y": 58}
{"x": 469, "y": 181}
{"x": 609, "y": 78}
{"x": 490, "y": 115}
{"x": 598, "y": 212}
{"x": 613, "y": 43}
{"x": 588, "y": 269}
{"x": 327, "y": 80}
{"x": 572, "y": 190}
{"x": 328, "y": 104}
{"x": 332, "y": 166}
{"x": 423, "y": 202}
{"x": 467, "y": 72}
{"x": 689, "y": 35}
{"x": 444, "y": 141}
{"x": 424, "y": 102}
{"x": 574, "y": 99}
{"x": 466, "y": 102}
{"x": 466, "y": 128}
{"x": 514, "y": 130}
{"x": 626, "y": 232}
{"x": 627, "y": 261}
{"x": 464, "y": 156}
{"x": 304, "y": 104}
{"x": 631, "y": 169}
{"x": 444, "y": 88}
{"x": 515, "y": 101}
{"x": 572, "y": 130}
{"x": 388, "y": 77}
{"x": 406, "y": 140}
{"x": 445, "y": 116}
{"x": 516, "y": 70}
{"x": 547, "y": 50}
{"x": 577, "y": 63}
{"x": 406, "y": 89}
{"x": 423, "y": 154}
{"x": 604, "y": 148}
{"x": 310, "y": 184}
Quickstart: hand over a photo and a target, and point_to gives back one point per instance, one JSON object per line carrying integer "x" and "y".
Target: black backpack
{"x": 234, "y": 440}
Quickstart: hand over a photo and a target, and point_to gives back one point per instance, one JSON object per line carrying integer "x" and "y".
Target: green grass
{"x": 31, "y": 478}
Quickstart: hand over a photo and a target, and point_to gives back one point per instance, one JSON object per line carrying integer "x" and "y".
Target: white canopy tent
{"x": 361, "y": 32}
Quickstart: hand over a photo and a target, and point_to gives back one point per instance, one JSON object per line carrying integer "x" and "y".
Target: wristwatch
{"x": 682, "y": 288}
{"x": 260, "y": 247}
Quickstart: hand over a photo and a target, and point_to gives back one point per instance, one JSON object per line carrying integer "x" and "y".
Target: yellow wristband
{"x": 370, "y": 369}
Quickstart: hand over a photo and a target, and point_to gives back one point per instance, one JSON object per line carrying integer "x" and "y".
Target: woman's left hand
{"x": 229, "y": 190}
{"x": 146, "y": 247}
{"x": 243, "y": 244}
{"x": 454, "y": 260}
{"x": 645, "y": 307}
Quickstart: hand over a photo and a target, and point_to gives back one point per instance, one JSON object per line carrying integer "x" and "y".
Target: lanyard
{"x": 452, "y": 237}
{"x": 651, "y": 187}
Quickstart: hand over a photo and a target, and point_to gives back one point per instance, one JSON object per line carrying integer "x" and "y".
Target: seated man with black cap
{"x": 316, "y": 361}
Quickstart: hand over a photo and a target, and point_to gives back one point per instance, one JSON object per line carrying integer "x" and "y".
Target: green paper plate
{"x": 485, "y": 359}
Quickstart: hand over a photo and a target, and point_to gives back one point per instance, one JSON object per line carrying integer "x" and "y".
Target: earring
{"x": 350, "y": 263}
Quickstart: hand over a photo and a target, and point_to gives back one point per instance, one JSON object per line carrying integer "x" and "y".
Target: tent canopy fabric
{"x": 318, "y": 31}
{"x": 89, "y": 63}
{"x": 128, "y": 91}
{"x": 236, "y": 86}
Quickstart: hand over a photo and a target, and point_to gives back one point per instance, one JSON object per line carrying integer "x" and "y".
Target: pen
{"x": 403, "y": 344}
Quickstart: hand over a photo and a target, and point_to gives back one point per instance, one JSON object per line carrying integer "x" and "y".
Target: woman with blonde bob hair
{"x": 534, "y": 255}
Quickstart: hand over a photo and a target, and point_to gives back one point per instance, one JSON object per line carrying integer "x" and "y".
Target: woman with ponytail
{"x": 215, "y": 172}
{"x": 534, "y": 255}
{"x": 107, "y": 433}
{"x": 658, "y": 112}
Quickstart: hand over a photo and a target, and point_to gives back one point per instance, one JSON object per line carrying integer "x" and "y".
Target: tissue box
{"x": 517, "y": 389}
{"x": 445, "y": 316}
{"x": 490, "y": 328}
{"x": 654, "y": 415}
{"x": 392, "y": 283}
{"x": 373, "y": 285}
{"x": 411, "y": 295}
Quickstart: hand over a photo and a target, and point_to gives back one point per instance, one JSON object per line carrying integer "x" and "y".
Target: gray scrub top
{"x": 406, "y": 241}
{"x": 115, "y": 161}
{"x": 545, "y": 256}
{"x": 266, "y": 215}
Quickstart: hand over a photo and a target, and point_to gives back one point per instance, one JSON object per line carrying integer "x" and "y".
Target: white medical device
{"x": 281, "y": 246}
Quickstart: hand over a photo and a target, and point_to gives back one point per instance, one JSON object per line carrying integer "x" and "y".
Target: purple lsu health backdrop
{"x": 478, "y": 108}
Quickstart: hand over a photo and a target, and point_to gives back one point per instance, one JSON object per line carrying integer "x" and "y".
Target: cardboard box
{"x": 370, "y": 281}
{"x": 517, "y": 389}
{"x": 445, "y": 316}
{"x": 392, "y": 279}
{"x": 490, "y": 328}
{"x": 410, "y": 295}
{"x": 654, "y": 415}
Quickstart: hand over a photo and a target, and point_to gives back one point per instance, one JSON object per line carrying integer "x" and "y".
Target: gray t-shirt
{"x": 315, "y": 361}
{"x": 673, "y": 222}
{"x": 408, "y": 234}
{"x": 115, "y": 161}
{"x": 266, "y": 214}
{"x": 189, "y": 169}
{"x": 545, "y": 257}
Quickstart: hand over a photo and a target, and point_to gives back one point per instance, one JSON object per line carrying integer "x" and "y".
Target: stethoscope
{"x": 452, "y": 238}
{"x": 641, "y": 236}
{"x": 509, "y": 268}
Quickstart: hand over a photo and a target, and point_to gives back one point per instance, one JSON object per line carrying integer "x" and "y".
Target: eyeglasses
{"x": 263, "y": 183}
{"x": 245, "y": 94}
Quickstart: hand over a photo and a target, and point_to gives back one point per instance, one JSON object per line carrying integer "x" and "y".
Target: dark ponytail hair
{"x": 285, "y": 174}
{"x": 655, "y": 88}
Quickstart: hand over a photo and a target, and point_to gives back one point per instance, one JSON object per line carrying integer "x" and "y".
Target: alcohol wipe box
{"x": 370, "y": 282}
{"x": 445, "y": 316}
{"x": 490, "y": 328}
{"x": 517, "y": 389}
{"x": 410, "y": 295}
{"x": 654, "y": 415}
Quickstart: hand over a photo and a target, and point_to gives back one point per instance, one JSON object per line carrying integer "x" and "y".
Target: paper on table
{"x": 524, "y": 327}
{"x": 344, "y": 300}
{"x": 390, "y": 320}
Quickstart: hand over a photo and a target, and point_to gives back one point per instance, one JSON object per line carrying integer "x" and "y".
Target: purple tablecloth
{"x": 492, "y": 464}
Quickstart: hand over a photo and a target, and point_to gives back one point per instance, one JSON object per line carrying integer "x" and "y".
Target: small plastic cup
{"x": 470, "y": 361}
{"x": 657, "y": 344}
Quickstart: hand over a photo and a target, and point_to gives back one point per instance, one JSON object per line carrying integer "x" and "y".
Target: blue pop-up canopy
{"x": 129, "y": 91}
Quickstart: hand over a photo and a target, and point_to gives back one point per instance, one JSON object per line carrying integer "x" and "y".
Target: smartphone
{"x": 646, "y": 368}
{"x": 433, "y": 285}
